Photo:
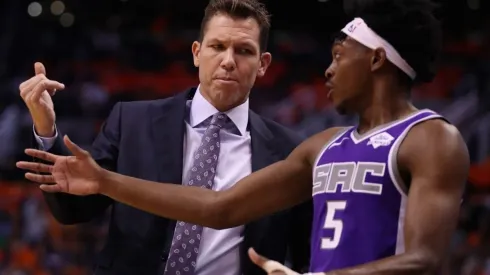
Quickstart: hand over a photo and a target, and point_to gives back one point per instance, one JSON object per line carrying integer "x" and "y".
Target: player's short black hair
{"x": 410, "y": 26}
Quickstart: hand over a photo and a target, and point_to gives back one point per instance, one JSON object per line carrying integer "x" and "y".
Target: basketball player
{"x": 386, "y": 192}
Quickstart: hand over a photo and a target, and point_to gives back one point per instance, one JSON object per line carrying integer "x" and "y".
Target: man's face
{"x": 349, "y": 74}
{"x": 229, "y": 60}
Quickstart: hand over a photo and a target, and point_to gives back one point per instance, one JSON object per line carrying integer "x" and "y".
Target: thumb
{"x": 39, "y": 68}
{"x": 75, "y": 149}
{"x": 267, "y": 265}
{"x": 256, "y": 258}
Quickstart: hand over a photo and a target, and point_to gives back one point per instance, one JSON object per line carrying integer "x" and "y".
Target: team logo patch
{"x": 383, "y": 139}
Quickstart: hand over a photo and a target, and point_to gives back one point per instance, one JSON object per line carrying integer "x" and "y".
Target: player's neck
{"x": 388, "y": 103}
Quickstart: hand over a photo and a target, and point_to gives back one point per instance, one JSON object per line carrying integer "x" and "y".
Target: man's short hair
{"x": 239, "y": 9}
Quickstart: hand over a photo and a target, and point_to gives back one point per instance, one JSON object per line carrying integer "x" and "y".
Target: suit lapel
{"x": 168, "y": 126}
{"x": 167, "y": 134}
{"x": 263, "y": 149}
{"x": 264, "y": 153}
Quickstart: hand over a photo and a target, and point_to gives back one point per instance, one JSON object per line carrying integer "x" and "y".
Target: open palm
{"x": 78, "y": 174}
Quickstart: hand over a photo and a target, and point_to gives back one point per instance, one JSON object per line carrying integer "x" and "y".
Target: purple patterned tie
{"x": 187, "y": 236}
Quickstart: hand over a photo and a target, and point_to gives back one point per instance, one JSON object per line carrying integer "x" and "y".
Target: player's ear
{"x": 378, "y": 59}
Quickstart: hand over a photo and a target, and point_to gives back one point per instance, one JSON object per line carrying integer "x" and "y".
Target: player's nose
{"x": 329, "y": 73}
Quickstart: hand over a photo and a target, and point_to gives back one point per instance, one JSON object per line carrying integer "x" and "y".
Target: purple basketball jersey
{"x": 359, "y": 198}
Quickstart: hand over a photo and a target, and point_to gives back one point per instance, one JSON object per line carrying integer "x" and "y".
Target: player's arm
{"x": 271, "y": 189}
{"x": 436, "y": 158}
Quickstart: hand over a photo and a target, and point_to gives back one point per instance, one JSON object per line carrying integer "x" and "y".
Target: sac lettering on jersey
{"x": 348, "y": 177}
{"x": 359, "y": 197}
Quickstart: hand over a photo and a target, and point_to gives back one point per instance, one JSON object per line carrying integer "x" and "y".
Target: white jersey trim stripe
{"x": 333, "y": 139}
{"x": 382, "y": 128}
{"x": 397, "y": 180}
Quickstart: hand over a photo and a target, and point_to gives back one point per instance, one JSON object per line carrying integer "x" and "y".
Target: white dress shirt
{"x": 219, "y": 251}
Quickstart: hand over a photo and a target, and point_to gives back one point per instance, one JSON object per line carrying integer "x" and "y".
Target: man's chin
{"x": 341, "y": 109}
{"x": 225, "y": 100}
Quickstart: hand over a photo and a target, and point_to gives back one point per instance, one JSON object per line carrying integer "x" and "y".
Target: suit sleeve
{"x": 299, "y": 240}
{"x": 72, "y": 209}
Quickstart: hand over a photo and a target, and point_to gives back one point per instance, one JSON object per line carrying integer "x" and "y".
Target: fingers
{"x": 267, "y": 265}
{"x": 41, "y": 155}
{"x": 45, "y": 85}
{"x": 50, "y": 188}
{"x": 35, "y": 86}
{"x": 40, "y": 73}
{"x": 25, "y": 84}
{"x": 256, "y": 258}
{"x": 40, "y": 178}
{"x": 75, "y": 149}
{"x": 26, "y": 87}
{"x": 48, "y": 183}
{"x": 35, "y": 167}
{"x": 39, "y": 68}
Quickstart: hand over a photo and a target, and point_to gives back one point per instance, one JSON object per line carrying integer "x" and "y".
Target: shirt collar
{"x": 201, "y": 109}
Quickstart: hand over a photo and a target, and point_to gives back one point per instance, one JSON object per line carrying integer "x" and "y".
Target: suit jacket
{"x": 144, "y": 139}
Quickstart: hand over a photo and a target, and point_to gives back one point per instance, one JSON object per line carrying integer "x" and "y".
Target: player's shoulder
{"x": 314, "y": 145}
{"x": 324, "y": 137}
{"x": 437, "y": 133}
{"x": 434, "y": 139}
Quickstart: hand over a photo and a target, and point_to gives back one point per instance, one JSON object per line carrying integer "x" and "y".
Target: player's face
{"x": 229, "y": 60}
{"x": 348, "y": 75}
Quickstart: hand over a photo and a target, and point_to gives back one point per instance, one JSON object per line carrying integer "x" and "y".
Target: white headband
{"x": 360, "y": 31}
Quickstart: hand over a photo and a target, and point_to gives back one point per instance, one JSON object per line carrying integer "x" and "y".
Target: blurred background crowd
{"x": 120, "y": 50}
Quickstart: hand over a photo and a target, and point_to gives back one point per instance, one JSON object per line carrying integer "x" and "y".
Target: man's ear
{"x": 378, "y": 59}
{"x": 265, "y": 62}
{"x": 196, "y": 49}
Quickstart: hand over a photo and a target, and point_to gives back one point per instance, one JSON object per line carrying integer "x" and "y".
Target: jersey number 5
{"x": 332, "y": 223}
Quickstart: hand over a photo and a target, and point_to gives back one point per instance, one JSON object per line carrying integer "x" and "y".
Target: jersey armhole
{"x": 333, "y": 139}
{"x": 392, "y": 162}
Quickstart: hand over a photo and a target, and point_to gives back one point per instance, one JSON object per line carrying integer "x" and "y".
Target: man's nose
{"x": 228, "y": 63}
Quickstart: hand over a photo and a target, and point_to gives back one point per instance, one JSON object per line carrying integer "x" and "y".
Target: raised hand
{"x": 78, "y": 174}
{"x": 36, "y": 93}
{"x": 269, "y": 266}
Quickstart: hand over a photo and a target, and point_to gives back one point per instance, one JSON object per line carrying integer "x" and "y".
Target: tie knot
{"x": 219, "y": 119}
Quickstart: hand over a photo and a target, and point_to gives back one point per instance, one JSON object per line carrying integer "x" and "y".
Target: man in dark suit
{"x": 166, "y": 140}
